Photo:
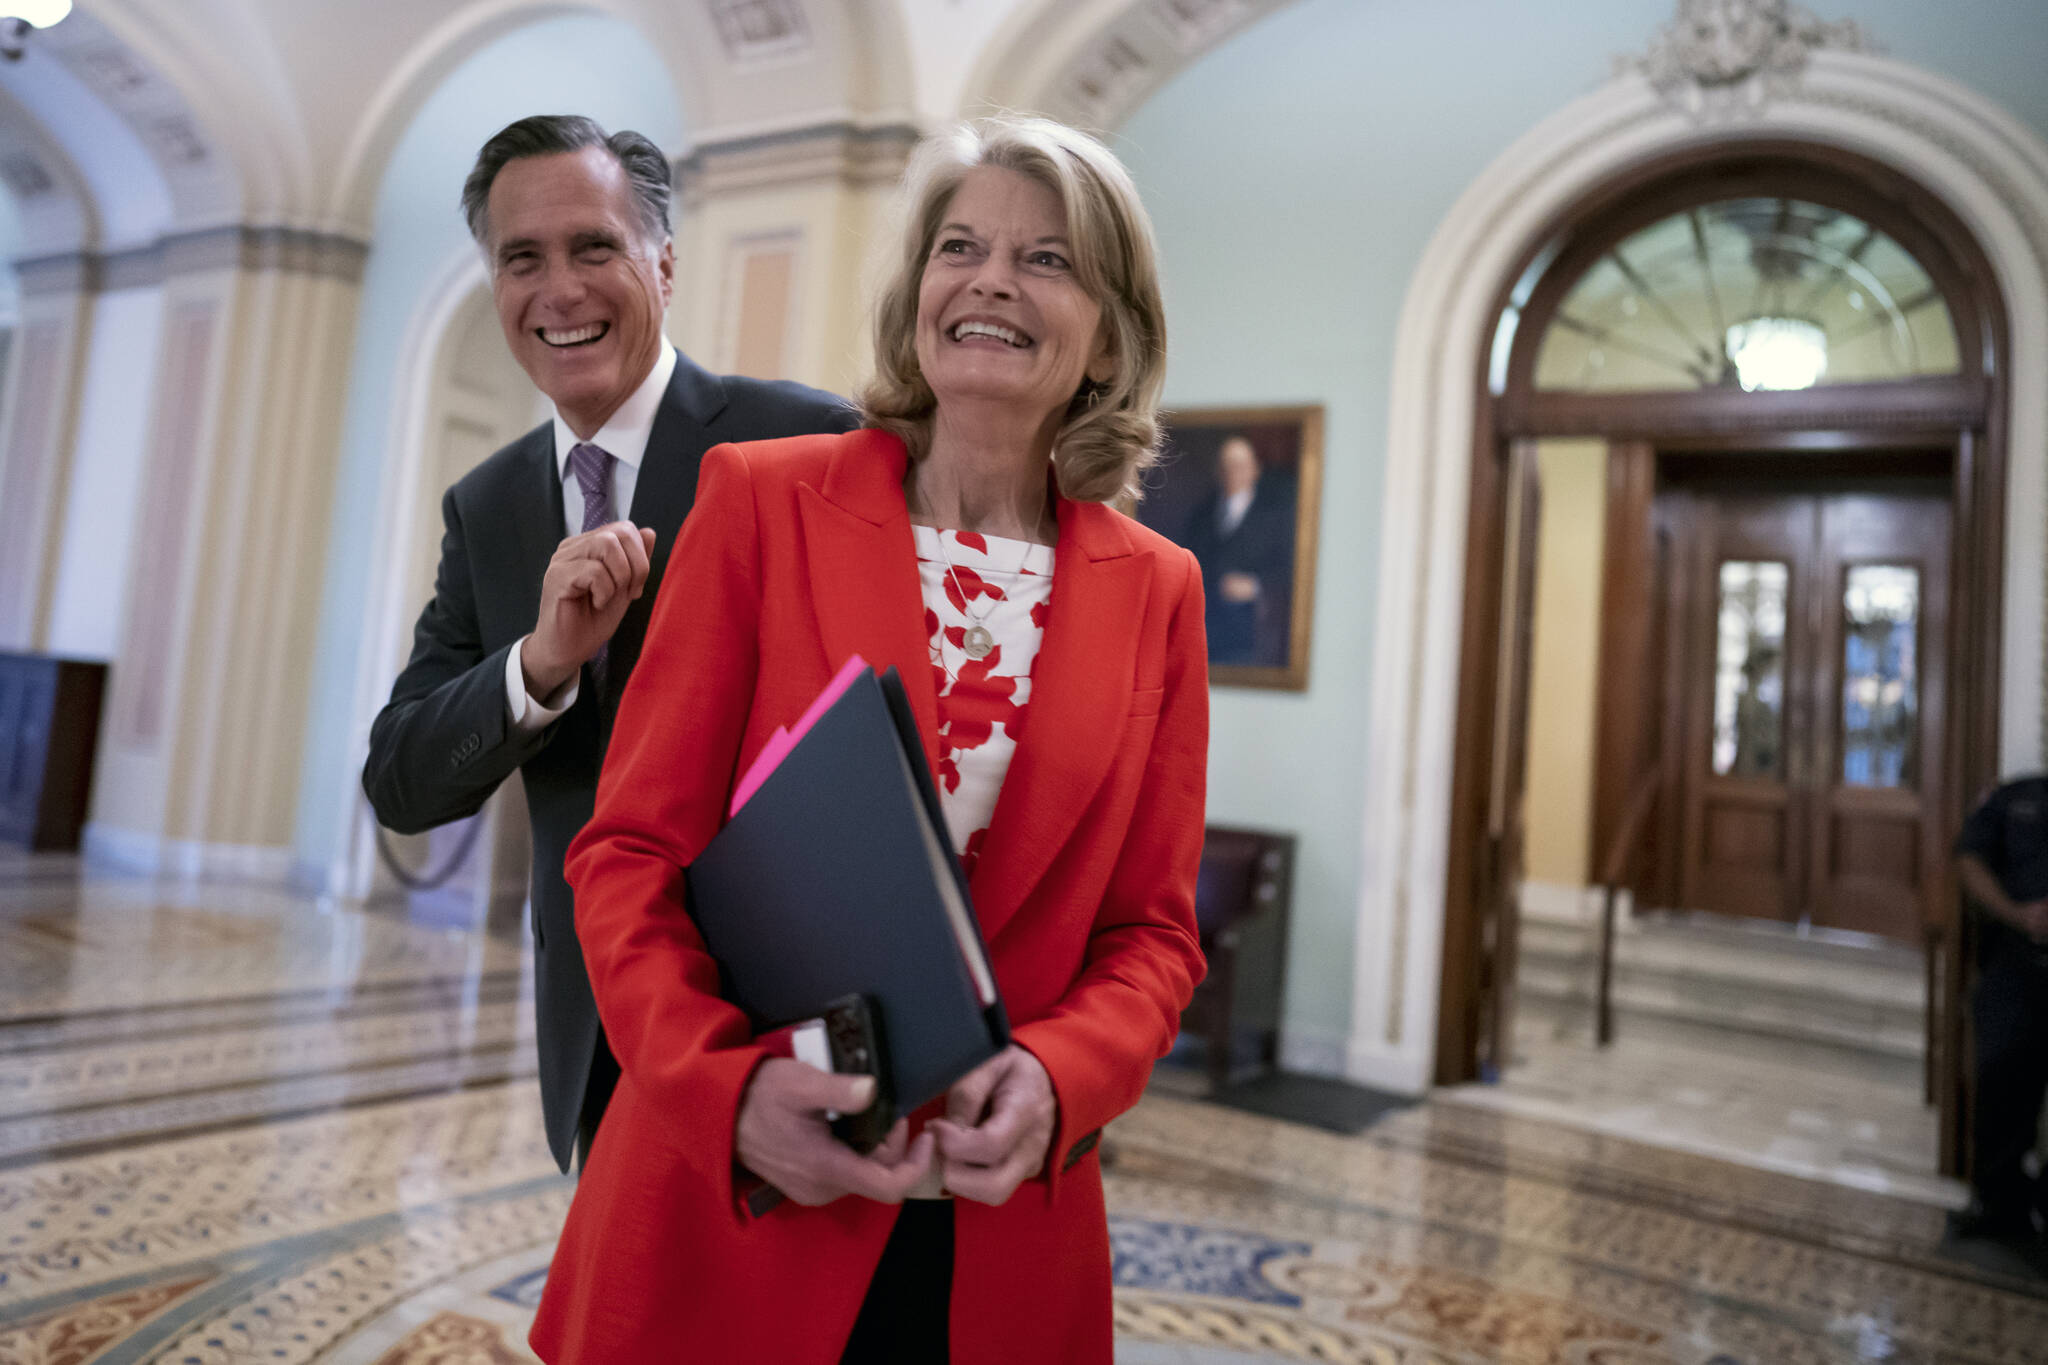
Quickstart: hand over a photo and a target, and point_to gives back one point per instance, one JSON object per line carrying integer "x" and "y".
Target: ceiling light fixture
{"x": 1778, "y": 353}
{"x": 18, "y": 17}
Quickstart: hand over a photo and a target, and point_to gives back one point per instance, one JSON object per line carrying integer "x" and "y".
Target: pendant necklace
{"x": 978, "y": 643}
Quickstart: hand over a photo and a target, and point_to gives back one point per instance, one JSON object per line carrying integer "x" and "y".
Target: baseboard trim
{"x": 1311, "y": 1051}
{"x": 131, "y": 851}
{"x": 1372, "y": 1063}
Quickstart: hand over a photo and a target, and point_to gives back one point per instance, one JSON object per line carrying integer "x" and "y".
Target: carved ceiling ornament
{"x": 25, "y": 175}
{"x": 1727, "y": 58}
{"x": 761, "y": 28}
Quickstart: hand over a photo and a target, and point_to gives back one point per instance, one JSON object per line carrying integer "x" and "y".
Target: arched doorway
{"x": 1792, "y": 361}
{"x": 471, "y": 399}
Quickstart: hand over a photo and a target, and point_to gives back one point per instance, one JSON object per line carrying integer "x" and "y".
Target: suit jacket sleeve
{"x": 659, "y": 801}
{"x": 445, "y": 740}
{"x": 1144, "y": 953}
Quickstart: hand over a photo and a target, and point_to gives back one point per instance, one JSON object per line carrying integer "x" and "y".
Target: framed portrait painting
{"x": 1241, "y": 487}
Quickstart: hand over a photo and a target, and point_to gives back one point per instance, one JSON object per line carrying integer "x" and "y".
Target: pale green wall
{"x": 1296, "y": 175}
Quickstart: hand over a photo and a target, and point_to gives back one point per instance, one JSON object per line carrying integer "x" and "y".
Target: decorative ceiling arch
{"x": 116, "y": 173}
{"x": 205, "y": 97}
{"x": 351, "y": 202}
{"x": 763, "y": 67}
{"x": 51, "y": 198}
{"x": 1092, "y": 64}
{"x": 739, "y": 68}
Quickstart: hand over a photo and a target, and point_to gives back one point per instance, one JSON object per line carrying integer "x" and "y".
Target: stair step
{"x": 1881, "y": 977}
{"x": 1859, "y": 999}
{"x": 1897, "y": 1034}
{"x": 1568, "y": 1019}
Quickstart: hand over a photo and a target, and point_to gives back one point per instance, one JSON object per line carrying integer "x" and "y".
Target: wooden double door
{"x": 1805, "y": 685}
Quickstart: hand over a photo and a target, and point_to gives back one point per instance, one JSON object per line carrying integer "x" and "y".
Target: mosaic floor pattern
{"x": 290, "y": 1133}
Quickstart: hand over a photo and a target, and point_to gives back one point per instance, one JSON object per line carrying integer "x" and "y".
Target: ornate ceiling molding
{"x": 150, "y": 104}
{"x": 1093, "y": 65}
{"x": 286, "y": 250}
{"x": 25, "y": 175}
{"x": 757, "y": 30}
{"x": 837, "y": 151}
{"x": 202, "y": 177}
{"x": 1729, "y": 58}
{"x": 56, "y": 208}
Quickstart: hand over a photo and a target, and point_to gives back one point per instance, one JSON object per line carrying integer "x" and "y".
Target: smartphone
{"x": 854, "y": 1040}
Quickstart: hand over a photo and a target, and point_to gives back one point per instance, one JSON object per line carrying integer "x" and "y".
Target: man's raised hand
{"x": 589, "y": 583}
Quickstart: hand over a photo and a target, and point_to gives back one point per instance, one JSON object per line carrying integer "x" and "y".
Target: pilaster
{"x": 204, "y": 727}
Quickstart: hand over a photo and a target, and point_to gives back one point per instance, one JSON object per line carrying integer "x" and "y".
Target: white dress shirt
{"x": 623, "y": 437}
{"x": 1232, "y": 512}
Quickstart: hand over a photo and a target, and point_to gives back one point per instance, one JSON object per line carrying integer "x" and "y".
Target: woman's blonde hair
{"x": 1111, "y": 431}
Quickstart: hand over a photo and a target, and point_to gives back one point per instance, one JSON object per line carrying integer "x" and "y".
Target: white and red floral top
{"x": 1005, "y": 586}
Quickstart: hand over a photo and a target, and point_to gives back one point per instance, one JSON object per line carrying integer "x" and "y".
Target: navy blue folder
{"x": 836, "y": 878}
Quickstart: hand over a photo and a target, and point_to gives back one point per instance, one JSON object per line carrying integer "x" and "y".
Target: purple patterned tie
{"x": 593, "y": 468}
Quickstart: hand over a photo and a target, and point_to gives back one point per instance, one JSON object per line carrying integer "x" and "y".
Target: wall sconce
{"x": 19, "y": 17}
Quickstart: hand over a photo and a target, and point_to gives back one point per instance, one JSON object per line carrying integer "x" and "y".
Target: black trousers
{"x": 604, "y": 1078}
{"x": 903, "y": 1320}
{"x": 2010, "y": 1011}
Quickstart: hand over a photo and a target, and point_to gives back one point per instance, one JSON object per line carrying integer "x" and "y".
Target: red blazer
{"x": 798, "y": 554}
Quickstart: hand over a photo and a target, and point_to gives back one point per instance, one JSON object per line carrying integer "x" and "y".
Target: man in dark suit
{"x": 1243, "y": 537}
{"x": 555, "y": 546}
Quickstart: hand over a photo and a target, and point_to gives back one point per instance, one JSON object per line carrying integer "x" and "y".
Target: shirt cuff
{"x": 529, "y": 713}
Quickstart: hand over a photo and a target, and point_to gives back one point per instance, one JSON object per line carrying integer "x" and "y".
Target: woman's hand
{"x": 998, "y": 1124}
{"x": 782, "y": 1137}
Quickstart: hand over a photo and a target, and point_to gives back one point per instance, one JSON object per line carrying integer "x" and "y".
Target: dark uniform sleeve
{"x": 1983, "y": 835}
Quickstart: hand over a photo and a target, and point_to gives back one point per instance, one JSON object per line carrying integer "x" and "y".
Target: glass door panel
{"x": 1749, "y": 669}
{"x": 1880, "y": 676}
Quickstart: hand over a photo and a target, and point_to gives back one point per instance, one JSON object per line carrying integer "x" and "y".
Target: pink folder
{"x": 785, "y": 737}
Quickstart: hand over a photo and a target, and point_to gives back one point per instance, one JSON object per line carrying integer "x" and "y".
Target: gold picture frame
{"x": 1258, "y": 549}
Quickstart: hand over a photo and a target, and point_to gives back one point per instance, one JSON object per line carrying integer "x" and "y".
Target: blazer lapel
{"x": 536, "y": 515}
{"x": 863, "y": 570}
{"x": 1080, "y": 694}
{"x": 662, "y": 498}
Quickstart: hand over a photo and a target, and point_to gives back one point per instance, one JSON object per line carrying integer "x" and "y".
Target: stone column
{"x": 777, "y": 244}
{"x": 39, "y": 425}
{"x": 202, "y": 736}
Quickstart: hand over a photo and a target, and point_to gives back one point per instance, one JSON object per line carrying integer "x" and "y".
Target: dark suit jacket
{"x": 1263, "y": 546}
{"x": 444, "y": 741}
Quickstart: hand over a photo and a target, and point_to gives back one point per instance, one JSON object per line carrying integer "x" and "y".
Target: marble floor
{"x": 241, "y": 1126}
{"x": 1737, "y": 1099}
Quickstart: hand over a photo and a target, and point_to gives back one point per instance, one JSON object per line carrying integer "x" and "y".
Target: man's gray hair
{"x": 646, "y": 168}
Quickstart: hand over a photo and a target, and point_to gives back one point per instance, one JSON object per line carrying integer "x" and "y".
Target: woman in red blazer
{"x": 1053, "y": 652}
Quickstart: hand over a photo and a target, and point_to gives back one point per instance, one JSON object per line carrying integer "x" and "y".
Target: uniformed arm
{"x": 1981, "y": 860}
{"x": 1983, "y": 886}
{"x": 445, "y": 740}
{"x": 1144, "y": 954}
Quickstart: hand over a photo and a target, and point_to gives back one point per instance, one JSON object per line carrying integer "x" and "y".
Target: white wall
{"x": 106, "y": 474}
